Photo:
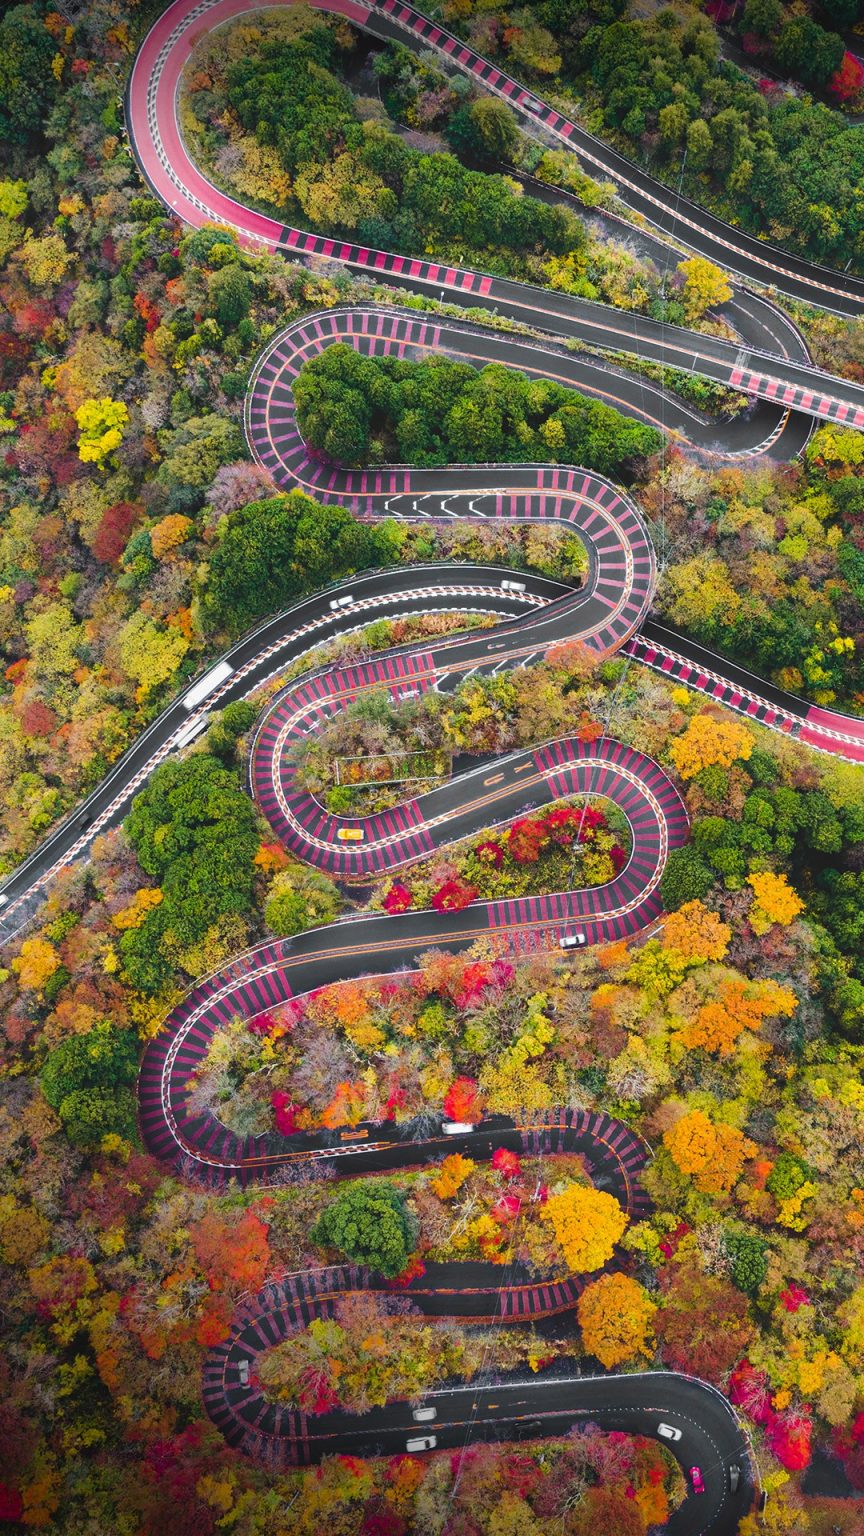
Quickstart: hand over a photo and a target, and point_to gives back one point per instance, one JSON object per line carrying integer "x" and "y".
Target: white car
{"x": 422, "y": 1443}
{"x": 668, "y": 1432}
{"x": 424, "y": 1415}
{"x": 572, "y": 941}
{"x": 456, "y": 1127}
{"x": 243, "y": 1370}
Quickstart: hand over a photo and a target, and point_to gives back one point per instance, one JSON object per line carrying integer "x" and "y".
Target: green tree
{"x": 284, "y": 94}
{"x": 230, "y": 293}
{"x": 194, "y": 451}
{"x": 300, "y": 898}
{"x": 807, "y": 52}
{"x": 439, "y": 411}
{"x": 485, "y": 129}
{"x": 764, "y": 17}
{"x": 87, "y": 1079}
{"x": 699, "y": 144}
{"x": 196, "y": 833}
{"x": 27, "y": 84}
{"x": 787, "y": 1176}
{"x": 749, "y": 1255}
{"x": 686, "y": 878}
{"x": 270, "y": 552}
{"x": 228, "y": 726}
{"x": 370, "y": 1224}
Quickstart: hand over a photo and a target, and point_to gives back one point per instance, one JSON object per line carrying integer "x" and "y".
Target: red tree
{"x": 463, "y": 1100}
{"x": 112, "y": 534}
{"x": 848, "y": 80}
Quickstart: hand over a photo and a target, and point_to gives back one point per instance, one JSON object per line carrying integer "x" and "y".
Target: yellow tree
{"x": 708, "y": 743}
{"x": 149, "y": 654}
{"x": 169, "y": 534}
{"x": 45, "y": 261}
{"x": 712, "y": 1155}
{"x": 616, "y": 1315}
{"x": 343, "y": 192}
{"x": 451, "y": 1175}
{"x": 101, "y": 424}
{"x": 13, "y": 198}
{"x": 142, "y": 902}
{"x": 738, "y": 1005}
{"x": 36, "y": 964}
{"x": 696, "y": 933}
{"x": 701, "y": 589}
{"x": 587, "y": 1224}
{"x": 705, "y": 286}
{"x": 776, "y": 902}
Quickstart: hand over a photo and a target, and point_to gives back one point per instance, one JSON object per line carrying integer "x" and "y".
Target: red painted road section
{"x": 283, "y": 1437}
{"x": 827, "y": 730}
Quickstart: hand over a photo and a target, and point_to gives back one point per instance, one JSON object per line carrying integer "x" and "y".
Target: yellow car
{"x": 350, "y": 834}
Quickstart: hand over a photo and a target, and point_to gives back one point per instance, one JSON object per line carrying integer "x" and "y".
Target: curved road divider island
{"x": 608, "y": 615}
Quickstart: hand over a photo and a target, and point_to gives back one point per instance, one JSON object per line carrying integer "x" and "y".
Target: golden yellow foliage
{"x": 851, "y": 1316}
{"x": 739, "y": 1005}
{"x": 142, "y": 902}
{"x": 615, "y": 1315}
{"x": 36, "y": 963}
{"x": 587, "y": 1224}
{"x": 776, "y": 902}
{"x": 45, "y": 260}
{"x": 261, "y": 174}
{"x": 696, "y": 933}
{"x": 709, "y": 743}
{"x": 451, "y": 1175}
{"x": 24, "y": 1231}
{"x": 168, "y": 534}
{"x": 712, "y": 1155}
{"x": 101, "y": 424}
{"x": 704, "y": 286}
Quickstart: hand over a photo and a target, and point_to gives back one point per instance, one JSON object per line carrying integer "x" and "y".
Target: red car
{"x": 696, "y": 1480}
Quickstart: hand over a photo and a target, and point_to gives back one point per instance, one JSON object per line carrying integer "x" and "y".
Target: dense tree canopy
{"x": 353, "y": 176}
{"x": 88, "y": 1080}
{"x": 362, "y": 410}
{"x": 369, "y": 1223}
{"x": 195, "y": 832}
{"x": 270, "y": 552}
{"x": 787, "y": 168}
{"x": 27, "y": 81}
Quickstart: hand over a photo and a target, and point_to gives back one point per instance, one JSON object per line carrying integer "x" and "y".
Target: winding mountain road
{"x": 165, "y": 160}
{"x": 609, "y": 614}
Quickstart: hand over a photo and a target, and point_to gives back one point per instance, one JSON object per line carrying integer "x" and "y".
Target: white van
{"x": 572, "y": 941}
